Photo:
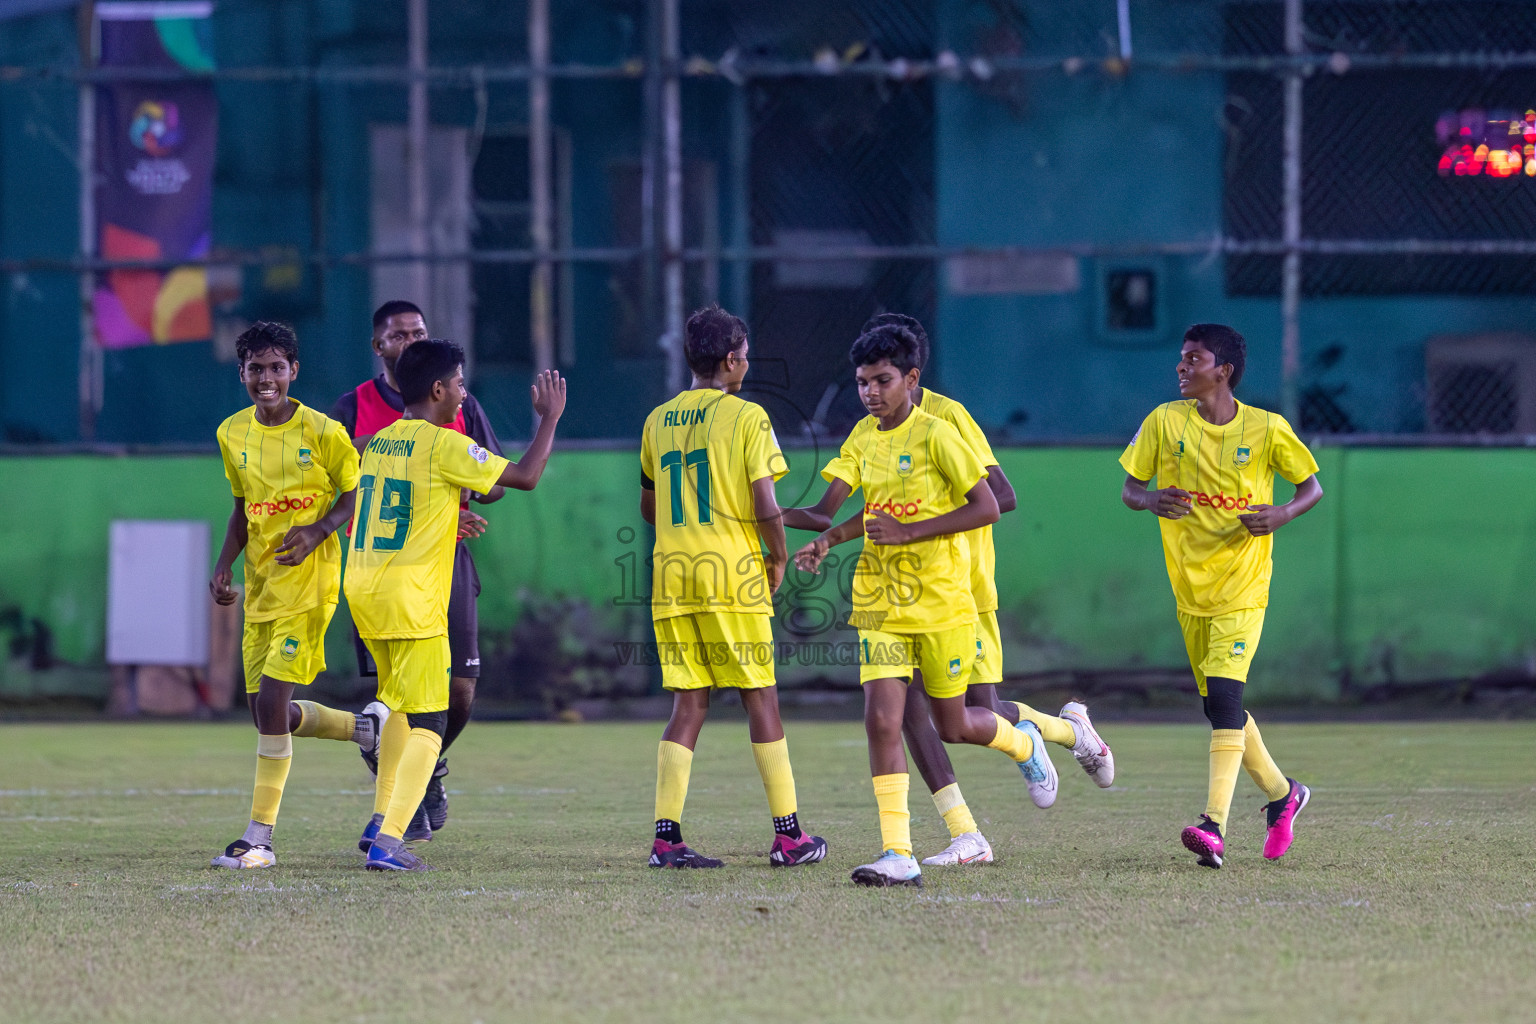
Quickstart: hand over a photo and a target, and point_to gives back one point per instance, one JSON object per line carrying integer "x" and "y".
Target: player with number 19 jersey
{"x": 700, "y": 452}
{"x": 405, "y": 526}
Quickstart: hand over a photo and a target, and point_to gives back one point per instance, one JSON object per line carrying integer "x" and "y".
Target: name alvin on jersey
{"x": 272, "y": 508}
{"x": 1226, "y": 502}
{"x": 683, "y": 417}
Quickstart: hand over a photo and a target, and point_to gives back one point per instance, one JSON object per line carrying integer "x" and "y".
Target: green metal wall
{"x": 1415, "y": 566}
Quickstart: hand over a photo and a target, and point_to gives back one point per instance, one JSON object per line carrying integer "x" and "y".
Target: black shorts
{"x": 463, "y": 621}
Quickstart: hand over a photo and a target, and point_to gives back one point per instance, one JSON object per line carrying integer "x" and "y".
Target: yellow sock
{"x": 411, "y": 777}
{"x": 674, "y": 763}
{"x": 1261, "y": 767}
{"x": 895, "y": 819}
{"x": 323, "y": 722}
{"x": 274, "y": 755}
{"x": 1226, "y": 758}
{"x": 1055, "y": 730}
{"x": 1013, "y": 742}
{"x": 391, "y": 747}
{"x": 956, "y": 814}
{"x": 778, "y": 778}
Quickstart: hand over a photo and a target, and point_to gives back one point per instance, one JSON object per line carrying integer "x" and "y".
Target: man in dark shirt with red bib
{"x": 364, "y": 411}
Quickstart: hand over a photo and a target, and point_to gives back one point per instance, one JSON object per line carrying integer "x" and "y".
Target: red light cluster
{"x": 1499, "y": 143}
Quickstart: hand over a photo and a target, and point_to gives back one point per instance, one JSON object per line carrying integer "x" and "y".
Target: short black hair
{"x": 1224, "y": 343}
{"x": 891, "y": 342}
{"x": 911, "y": 323}
{"x": 424, "y": 364}
{"x": 710, "y": 336}
{"x": 394, "y": 307}
{"x": 265, "y": 335}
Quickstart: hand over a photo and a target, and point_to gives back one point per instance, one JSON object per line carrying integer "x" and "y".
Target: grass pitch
{"x": 1410, "y": 894}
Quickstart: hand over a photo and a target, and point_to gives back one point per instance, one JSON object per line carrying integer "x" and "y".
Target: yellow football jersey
{"x": 983, "y": 554}
{"x": 400, "y": 562}
{"x": 289, "y": 476}
{"x": 701, "y": 451}
{"x": 1215, "y": 565}
{"x": 917, "y": 471}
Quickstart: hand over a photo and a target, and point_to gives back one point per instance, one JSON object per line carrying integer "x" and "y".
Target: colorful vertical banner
{"x": 155, "y": 143}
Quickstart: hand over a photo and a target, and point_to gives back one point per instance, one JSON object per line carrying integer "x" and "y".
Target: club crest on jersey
{"x": 242, "y": 460}
{"x": 290, "y": 648}
{"x": 980, "y": 651}
{"x": 1242, "y": 455}
{"x": 954, "y": 667}
{"x": 1239, "y": 649}
{"x": 306, "y": 458}
{"x": 904, "y": 464}
{"x": 477, "y": 453}
{"x": 1178, "y": 450}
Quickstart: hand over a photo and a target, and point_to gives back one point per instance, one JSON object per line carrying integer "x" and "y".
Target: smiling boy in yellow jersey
{"x": 1073, "y": 729}
{"x": 292, "y": 472}
{"x": 714, "y": 459}
{"x": 924, "y": 489}
{"x": 400, "y": 569}
{"x": 1215, "y": 460}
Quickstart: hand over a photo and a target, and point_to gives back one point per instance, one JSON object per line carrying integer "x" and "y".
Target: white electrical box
{"x": 157, "y": 592}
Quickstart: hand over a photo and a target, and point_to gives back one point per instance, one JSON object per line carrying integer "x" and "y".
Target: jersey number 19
{"x": 394, "y": 507}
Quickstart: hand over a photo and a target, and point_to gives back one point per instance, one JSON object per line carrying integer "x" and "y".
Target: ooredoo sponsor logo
{"x": 1225, "y": 502}
{"x": 896, "y": 509}
{"x": 281, "y": 505}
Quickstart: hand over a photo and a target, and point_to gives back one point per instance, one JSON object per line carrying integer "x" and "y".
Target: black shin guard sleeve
{"x": 437, "y": 721}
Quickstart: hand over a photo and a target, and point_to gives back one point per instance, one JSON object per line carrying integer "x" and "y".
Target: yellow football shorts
{"x": 946, "y": 658}
{"x": 1222, "y": 645}
{"x": 701, "y": 650}
{"x": 413, "y": 674}
{"x": 989, "y": 651}
{"x": 290, "y": 649}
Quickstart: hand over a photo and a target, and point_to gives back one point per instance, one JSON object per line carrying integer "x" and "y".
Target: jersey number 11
{"x": 673, "y": 464}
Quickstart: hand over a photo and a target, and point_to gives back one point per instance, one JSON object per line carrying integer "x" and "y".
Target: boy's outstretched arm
{"x": 236, "y": 533}
{"x": 1168, "y": 502}
{"x": 809, "y": 557}
{"x": 301, "y": 540}
{"x": 980, "y": 509}
{"x": 818, "y": 517}
{"x": 548, "y": 394}
{"x": 770, "y": 527}
{"x": 1266, "y": 519}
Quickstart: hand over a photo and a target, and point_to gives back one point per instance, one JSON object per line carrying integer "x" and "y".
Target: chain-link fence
{"x": 1056, "y": 189}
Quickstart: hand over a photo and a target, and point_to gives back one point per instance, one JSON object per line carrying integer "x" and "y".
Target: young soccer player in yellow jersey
{"x": 400, "y": 568}
{"x": 924, "y": 489}
{"x": 292, "y": 472}
{"x": 714, "y": 459}
{"x": 1215, "y": 461}
{"x": 1073, "y": 729}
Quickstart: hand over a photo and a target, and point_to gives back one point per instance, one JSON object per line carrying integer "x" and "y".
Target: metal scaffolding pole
{"x": 90, "y": 368}
{"x": 672, "y": 160}
{"x": 1290, "y": 274}
{"x": 416, "y": 121}
{"x": 541, "y": 278}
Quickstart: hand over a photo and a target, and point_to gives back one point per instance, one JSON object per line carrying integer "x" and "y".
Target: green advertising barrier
{"x": 1414, "y": 567}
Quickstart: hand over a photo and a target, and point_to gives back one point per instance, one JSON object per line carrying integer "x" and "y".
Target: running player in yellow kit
{"x": 1215, "y": 461}
{"x": 924, "y": 489}
{"x": 292, "y": 472}
{"x": 714, "y": 459}
{"x": 400, "y": 568}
